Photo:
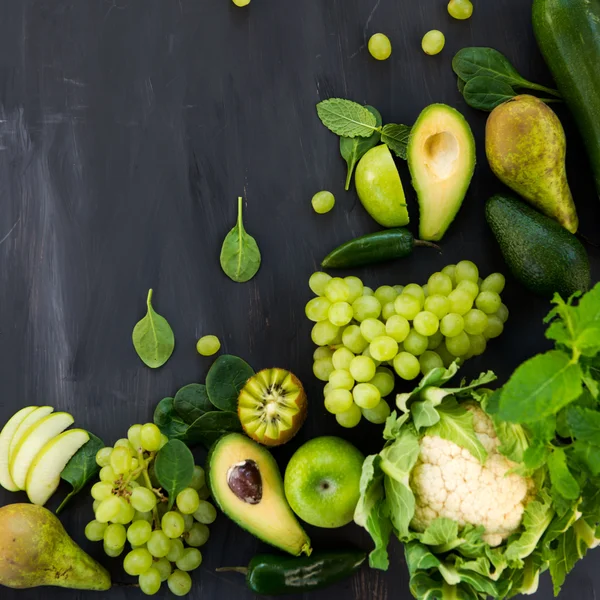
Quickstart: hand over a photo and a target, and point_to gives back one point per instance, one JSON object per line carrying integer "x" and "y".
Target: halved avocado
{"x": 441, "y": 159}
{"x": 247, "y": 486}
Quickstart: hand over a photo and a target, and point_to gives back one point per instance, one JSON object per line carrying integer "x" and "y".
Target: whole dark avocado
{"x": 539, "y": 252}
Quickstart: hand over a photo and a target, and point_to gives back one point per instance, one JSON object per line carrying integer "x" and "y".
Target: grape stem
{"x": 144, "y": 470}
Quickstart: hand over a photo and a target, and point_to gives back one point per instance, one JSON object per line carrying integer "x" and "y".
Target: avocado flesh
{"x": 271, "y": 519}
{"x": 441, "y": 159}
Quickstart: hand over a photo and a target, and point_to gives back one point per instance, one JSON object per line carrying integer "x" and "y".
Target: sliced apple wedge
{"x": 36, "y": 437}
{"x": 6, "y": 435}
{"x": 43, "y": 476}
{"x": 37, "y": 415}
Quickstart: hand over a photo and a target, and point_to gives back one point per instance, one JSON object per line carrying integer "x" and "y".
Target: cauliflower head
{"x": 448, "y": 481}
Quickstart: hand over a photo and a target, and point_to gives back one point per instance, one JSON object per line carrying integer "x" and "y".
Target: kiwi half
{"x": 272, "y": 406}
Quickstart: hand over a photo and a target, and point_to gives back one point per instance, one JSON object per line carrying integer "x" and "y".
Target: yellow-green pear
{"x": 35, "y": 550}
{"x": 526, "y": 147}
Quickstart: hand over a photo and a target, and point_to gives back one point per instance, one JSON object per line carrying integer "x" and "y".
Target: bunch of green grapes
{"x": 363, "y": 334}
{"x": 129, "y": 509}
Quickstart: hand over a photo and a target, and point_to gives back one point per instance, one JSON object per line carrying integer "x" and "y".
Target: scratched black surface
{"x": 129, "y": 127}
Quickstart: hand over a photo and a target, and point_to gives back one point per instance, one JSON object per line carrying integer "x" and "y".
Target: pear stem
{"x": 427, "y": 244}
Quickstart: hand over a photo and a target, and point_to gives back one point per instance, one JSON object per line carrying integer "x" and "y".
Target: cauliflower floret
{"x": 448, "y": 481}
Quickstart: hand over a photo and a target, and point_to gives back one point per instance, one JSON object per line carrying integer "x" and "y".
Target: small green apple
{"x": 322, "y": 481}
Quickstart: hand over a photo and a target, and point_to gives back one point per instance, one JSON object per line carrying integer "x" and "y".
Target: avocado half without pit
{"x": 272, "y": 406}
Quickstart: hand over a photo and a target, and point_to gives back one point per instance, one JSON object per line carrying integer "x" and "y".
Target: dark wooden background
{"x": 127, "y": 130}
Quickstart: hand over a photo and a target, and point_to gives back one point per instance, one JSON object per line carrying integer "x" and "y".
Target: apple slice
{"x": 43, "y": 476}
{"x": 6, "y": 435}
{"x": 36, "y": 437}
{"x": 37, "y": 415}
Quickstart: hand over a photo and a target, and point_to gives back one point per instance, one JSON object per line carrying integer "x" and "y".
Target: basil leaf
{"x": 153, "y": 338}
{"x": 81, "y": 468}
{"x": 560, "y": 476}
{"x": 225, "y": 380}
{"x": 174, "y": 468}
{"x": 353, "y": 149}
{"x": 168, "y": 421}
{"x": 191, "y": 402}
{"x": 240, "y": 256}
{"x": 396, "y": 137}
{"x": 211, "y": 426}
{"x": 346, "y": 118}
{"x": 485, "y": 93}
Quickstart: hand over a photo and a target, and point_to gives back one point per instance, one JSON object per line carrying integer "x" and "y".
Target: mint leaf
{"x": 584, "y": 424}
{"x": 540, "y": 387}
{"x": 560, "y": 476}
{"x": 346, "y": 118}
{"x": 396, "y": 137}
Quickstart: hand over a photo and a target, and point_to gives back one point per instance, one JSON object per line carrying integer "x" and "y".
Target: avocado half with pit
{"x": 246, "y": 484}
{"x": 441, "y": 159}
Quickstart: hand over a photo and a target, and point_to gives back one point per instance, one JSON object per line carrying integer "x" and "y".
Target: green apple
{"x": 43, "y": 476}
{"x": 31, "y": 419}
{"x": 36, "y": 437}
{"x": 322, "y": 481}
{"x": 6, "y": 435}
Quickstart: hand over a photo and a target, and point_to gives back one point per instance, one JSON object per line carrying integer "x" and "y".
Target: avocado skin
{"x": 540, "y": 253}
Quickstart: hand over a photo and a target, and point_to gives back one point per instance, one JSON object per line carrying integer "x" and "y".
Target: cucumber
{"x": 568, "y": 35}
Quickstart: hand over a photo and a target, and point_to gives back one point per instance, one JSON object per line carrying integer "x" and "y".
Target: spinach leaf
{"x": 153, "y": 338}
{"x": 174, "y": 468}
{"x": 485, "y": 93}
{"x": 396, "y": 137}
{"x": 191, "y": 402}
{"x": 225, "y": 380}
{"x": 81, "y": 468}
{"x": 240, "y": 256}
{"x": 168, "y": 421}
{"x": 353, "y": 149}
{"x": 346, "y": 118}
{"x": 211, "y": 426}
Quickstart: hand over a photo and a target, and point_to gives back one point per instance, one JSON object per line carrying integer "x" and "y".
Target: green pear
{"x": 526, "y": 147}
{"x": 35, "y": 550}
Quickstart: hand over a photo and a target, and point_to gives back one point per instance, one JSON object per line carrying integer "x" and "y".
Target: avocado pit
{"x": 245, "y": 481}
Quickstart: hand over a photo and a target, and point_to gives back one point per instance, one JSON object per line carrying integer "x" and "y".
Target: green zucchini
{"x": 568, "y": 35}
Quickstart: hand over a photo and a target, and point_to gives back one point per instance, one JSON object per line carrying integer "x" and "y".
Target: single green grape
{"x": 143, "y": 516}
{"x": 142, "y": 499}
{"x": 458, "y": 345}
{"x": 179, "y": 582}
{"x": 439, "y": 284}
{"x": 425, "y": 291}
{"x": 108, "y": 475}
{"x": 366, "y": 395}
{"x": 367, "y": 291}
{"x": 426, "y": 323}
{"x": 108, "y": 509}
{"x": 323, "y": 202}
{"x": 113, "y": 552}
{"x": 338, "y": 400}
{"x": 164, "y": 440}
{"x": 175, "y": 551}
{"x": 397, "y": 327}
{"x": 115, "y": 536}
{"x": 337, "y": 290}
{"x": 163, "y": 566}
{"x": 367, "y": 353}
{"x": 139, "y": 533}
{"x": 460, "y": 302}
{"x": 468, "y": 270}
{"x": 415, "y": 343}
{"x": 158, "y": 544}
{"x": 101, "y": 490}
{"x": 388, "y": 310}
{"x": 198, "y": 535}
{"x": 133, "y": 435}
{"x": 318, "y": 282}
{"x": 383, "y": 348}
{"x": 190, "y": 560}
{"x": 188, "y": 520}
{"x": 206, "y": 513}
{"x": 322, "y": 352}
{"x": 341, "y": 379}
{"x": 198, "y": 478}
{"x": 372, "y": 328}
{"x": 493, "y": 283}
{"x": 452, "y": 324}
{"x": 407, "y": 366}
{"x": 340, "y": 313}
{"x": 120, "y": 460}
{"x": 470, "y": 287}
{"x": 137, "y": 562}
{"x": 350, "y": 418}
{"x": 150, "y": 437}
{"x": 150, "y": 581}
{"x": 460, "y": 9}
{"x": 407, "y": 306}
{"x": 342, "y": 358}
{"x": 324, "y": 333}
{"x": 208, "y": 345}
{"x": 385, "y": 294}
{"x": 103, "y": 457}
{"x": 502, "y": 313}
{"x": 380, "y": 47}
{"x": 353, "y": 340}
{"x": 478, "y": 344}
{"x": 323, "y": 368}
{"x": 188, "y": 501}
{"x": 384, "y": 381}
{"x": 377, "y": 415}
{"x": 450, "y": 270}
{"x": 415, "y": 290}
{"x": 366, "y": 307}
{"x": 488, "y": 302}
{"x": 475, "y": 322}
{"x": 435, "y": 340}
{"x": 430, "y": 360}
{"x": 494, "y": 328}
{"x": 124, "y": 443}
{"x": 125, "y": 514}
{"x": 94, "y": 531}
{"x": 433, "y": 42}
{"x": 362, "y": 368}
{"x": 438, "y": 305}
{"x": 173, "y": 524}
{"x": 356, "y": 287}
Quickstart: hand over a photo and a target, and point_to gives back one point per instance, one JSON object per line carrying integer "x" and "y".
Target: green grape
{"x": 384, "y": 381}
{"x": 206, "y": 513}
{"x": 494, "y": 283}
{"x": 430, "y": 360}
{"x": 340, "y": 313}
{"x": 388, "y": 310}
{"x": 337, "y": 340}
{"x": 371, "y": 328}
{"x": 475, "y": 321}
{"x": 342, "y": 358}
{"x": 383, "y": 348}
{"x": 317, "y": 309}
{"x": 323, "y": 368}
{"x": 425, "y": 291}
{"x": 407, "y": 306}
{"x": 120, "y": 460}
{"x": 164, "y": 440}
{"x": 366, "y": 307}
{"x": 241, "y": 3}
{"x": 367, "y": 353}
{"x": 204, "y": 493}
{"x": 188, "y": 501}
{"x": 103, "y": 457}
{"x": 433, "y": 42}
{"x": 113, "y": 552}
{"x": 198, "y": 535}
{"x": 133, "y": 435}
{"x": 502, "y": 313}
{"x": 478, "y": 344}
{"x": 179, "y": 582}
{"x": 139, "y": 533}
{"x": 350, "y": 418}
{"x": 426, "y": 323}
{"x": 452, "y": 324}
{"x": 415, "y": 290}
{"x": 208, "y": 345}
{"x": 341, "y": 379}
{"x": 380, "y": 47}
{"x": 460, "y": 302}
{"x": 143, "y": 516}
{"x": 94, "y": 531}
{"x": 95, "y": 505}
{"x": 150, "y": 437}
{"x": 107, "y": 474}
{"x": 377, "y": 415}
{"x": 142, "y": 499}
{"x": 353, "y": 339}
{"x": 415, "y": 343}
{"x": 399, "y": 289}
{"x": 337, "y": 290}
{"x": 356, "y": 288}
{"x": 338, "y": 401}
{"x": 385, "y": 294}
{"x": 108, "y": 509}
{"x": 494, "y": 329}
{"x": 158, "y": 544}
{"x": 366, "y": 395}
{"x": 439, "y": 284}
{"x": 450, "y": 270}
{"x": 407, "y": 366}
{"x": 125, "y": 514}
{"x": 443, "y": 353}
{"x": 324, "y": 333}
{"x": 488, "y": 302}
{"x": 470, "y": 287}
{"x": 458, "y": 345}
{"x": 322, "y": 202}
{"x": 115, "y": 536}
{"x": 134, "y": 465}
{"x": 397, "y": 327}
{"x": 101, "y": 490}
{"x": 367, "y": 291}
{"x": 460, "y": 9}
{"x": 198, "y": 478}
{"x": 190, "y": 561}
{"x": 468, "y": 270}
{"x": 124, "y": 443}
{"x": 318, "y": 282}
{"x": 322, "y": 352}
{"x": 188, "y": 520}
{"x": 137, "y": 562}
{"x": 173, "y": 524}
{"x": 163, "y": 566}
{"x": 150, "y": 581}
{"x": 326, "y": 389}
{"x": 362, "y": 368}
{"x": 435, "y": 340}
{"x": 175, "y": 551}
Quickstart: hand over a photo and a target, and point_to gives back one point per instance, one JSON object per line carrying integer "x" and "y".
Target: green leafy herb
{"x": 81, "y": 468}
{"x": 191, "y": 402}
{"x": 153, "y": 337}
{"x": 353, "y": 149}
{"x": 174, "y": 468}
{"x": 562, "y": 480}
{"x": 346, "y": 118}
{"x": 208, "y": 428}
{"x": 396, "y": 137}
{"x": 168, "y": 420}
{"x": 225, "y": 380}
{"x": 485, "y": 93}
{"x": 240, "y": 256}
